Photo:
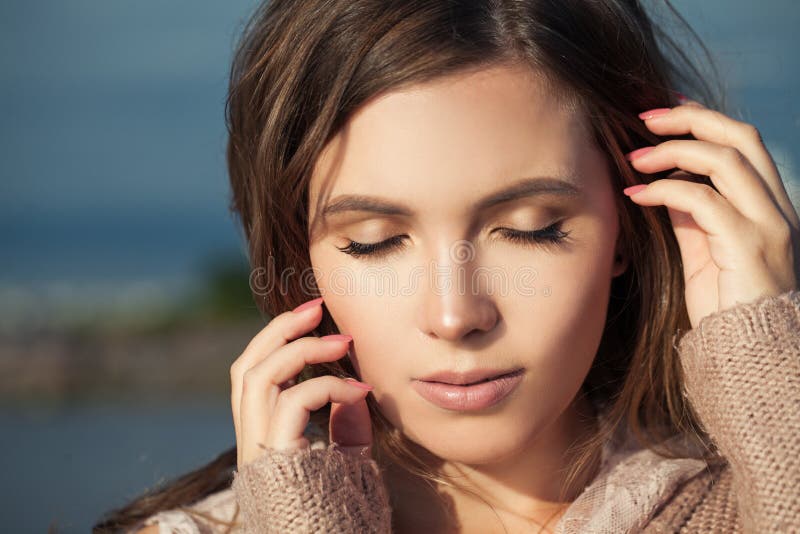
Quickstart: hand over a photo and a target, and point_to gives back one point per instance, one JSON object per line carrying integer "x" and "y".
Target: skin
{"x": 438, "y": 148}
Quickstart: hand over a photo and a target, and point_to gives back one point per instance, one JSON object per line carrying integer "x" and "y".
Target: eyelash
{"x": 550, "y": 235}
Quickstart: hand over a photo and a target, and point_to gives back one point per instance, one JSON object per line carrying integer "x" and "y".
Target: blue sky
{"x": 112, "y": 138}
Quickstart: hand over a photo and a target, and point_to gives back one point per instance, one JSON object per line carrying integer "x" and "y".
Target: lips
{"x": 468, "y": 396}
{"x": 474, "y": 376}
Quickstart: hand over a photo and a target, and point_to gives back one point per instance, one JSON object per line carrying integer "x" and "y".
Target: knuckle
{"x": 291, "y": 396}
{"x": 319, "y": 344}
{"x": 723, "y": 123}
{"x": 282, "y": 320}
{"x": 751, "y": 132}
{"x": 335, "y": 381}
{"x": 706, "y": 193}
{"x": 303, "y": 346}
{"x": 279, "y": 329}
{"x": 234, "y": 371}
{"x": 324, "y": 381}
{"x": 783, "y": 234}
{"x": 732, "y": 156}
{"x": 277, "y": 326}
{"x": 670, "y": 144}
{"x": 309, "y": 342}
{"x": 249, "y": 377}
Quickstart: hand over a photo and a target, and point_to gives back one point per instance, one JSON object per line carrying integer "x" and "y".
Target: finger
{"x": 350, "y": 426}
{"x": 732, "y": 174}
{"x": 287, "y": 361}
{"x": 279, "y": 331}
{"x": 295, "y": 405}
{"x": 710, "y": 125}
{"x": 260, "y": 384}
{"x": 712, "y": 213}
{"x": 693, "y": 245}
{"x": 685, "y": 101}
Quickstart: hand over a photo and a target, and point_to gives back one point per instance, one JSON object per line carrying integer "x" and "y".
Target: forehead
{"x": 437, "y": 145}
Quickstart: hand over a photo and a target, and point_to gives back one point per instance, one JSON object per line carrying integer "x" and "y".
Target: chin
{"x": 476, "y": 454}
{"x": 478, "y": 438}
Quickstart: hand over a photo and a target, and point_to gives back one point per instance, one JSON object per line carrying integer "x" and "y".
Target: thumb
{"x": 350, "y": 428}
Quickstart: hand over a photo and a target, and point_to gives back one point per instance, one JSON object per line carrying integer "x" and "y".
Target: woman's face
{"x": 455, "y": 292}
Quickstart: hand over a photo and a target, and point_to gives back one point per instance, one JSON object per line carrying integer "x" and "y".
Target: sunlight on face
{"x": 452, "y": 177}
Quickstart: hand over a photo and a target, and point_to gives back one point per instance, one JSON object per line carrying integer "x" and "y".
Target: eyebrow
{"x": 526, "y": 187}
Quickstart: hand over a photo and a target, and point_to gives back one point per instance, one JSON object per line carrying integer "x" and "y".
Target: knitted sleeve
{"x": 312, "y": 490}
{"x": 742, "y": 375}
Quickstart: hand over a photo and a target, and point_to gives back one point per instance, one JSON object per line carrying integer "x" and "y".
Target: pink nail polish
{"x": 632, "y": 190}
{"x": 339, "y": 337}
{"x": 652, "y": 113}
{"x": 639, "y": 152}
{"x": 306, "y": 305}
{"x": 356, "y": 383}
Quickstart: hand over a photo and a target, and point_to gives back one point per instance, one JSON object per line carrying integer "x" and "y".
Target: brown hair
{"x": 302, "y": 68}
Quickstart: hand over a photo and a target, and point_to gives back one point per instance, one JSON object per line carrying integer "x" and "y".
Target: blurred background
{"x": 124, "y": 291}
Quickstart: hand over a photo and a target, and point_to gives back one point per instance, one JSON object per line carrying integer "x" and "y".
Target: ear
{"x": 621, "y": 260}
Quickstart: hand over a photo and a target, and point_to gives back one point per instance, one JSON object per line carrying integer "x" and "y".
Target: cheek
{"x": 373, "y": 319}
{"x": 566, "y": 315}
{"x": 571, "y": 319}
{"x": 374, "y": 348}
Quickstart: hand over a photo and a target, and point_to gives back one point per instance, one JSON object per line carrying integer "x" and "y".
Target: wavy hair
{"x": 303, "y": 67}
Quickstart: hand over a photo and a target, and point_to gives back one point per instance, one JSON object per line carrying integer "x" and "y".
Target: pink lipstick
{"x": 462, "y": 395}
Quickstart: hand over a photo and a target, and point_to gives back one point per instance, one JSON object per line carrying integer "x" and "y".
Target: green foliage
{"x": 226, "y": 295}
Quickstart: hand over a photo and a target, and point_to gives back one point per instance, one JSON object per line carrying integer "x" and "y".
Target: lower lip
{"x": 467, "y": 398}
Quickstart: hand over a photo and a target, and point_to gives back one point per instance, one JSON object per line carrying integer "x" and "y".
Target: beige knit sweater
{"x": 742, "y": 374}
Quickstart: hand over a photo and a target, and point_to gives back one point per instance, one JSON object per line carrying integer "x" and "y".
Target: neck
{"x": 524, "y": 487}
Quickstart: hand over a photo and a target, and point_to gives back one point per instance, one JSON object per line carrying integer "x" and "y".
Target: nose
{"x": 455, "y": 303}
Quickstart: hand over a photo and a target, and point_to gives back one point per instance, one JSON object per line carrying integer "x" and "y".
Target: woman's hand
{"x": 270, "y": 411}
{"x": 737, "y": 244}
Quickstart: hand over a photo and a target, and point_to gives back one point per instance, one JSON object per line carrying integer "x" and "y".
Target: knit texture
{"x": 705, "y": 503}
{"x": 742, "y": 376}
{"x": 312, "y": 491}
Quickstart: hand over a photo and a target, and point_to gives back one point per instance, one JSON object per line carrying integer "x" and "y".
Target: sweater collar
{"x": 631, "y": 483}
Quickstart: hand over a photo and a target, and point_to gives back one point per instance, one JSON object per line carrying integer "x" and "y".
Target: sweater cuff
{"x": 767, "y": 318}
{"x": 744, "y": 340}
{"x": 312, "y": 491}
{"x": 741, "y": 373}
{"x": 733, "y": 358}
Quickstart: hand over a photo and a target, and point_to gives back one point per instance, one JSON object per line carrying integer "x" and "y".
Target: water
{"x": 112, "y": 170}
{"x": 70, "y": 465}
{"x": 112, "y": 138}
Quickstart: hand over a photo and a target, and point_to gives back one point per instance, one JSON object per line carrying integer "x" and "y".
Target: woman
{"x": 567, "y": 300}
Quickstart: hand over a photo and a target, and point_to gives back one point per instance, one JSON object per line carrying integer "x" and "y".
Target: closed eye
{"x": 550, "y": 235}
{"x": 354, "y": 248}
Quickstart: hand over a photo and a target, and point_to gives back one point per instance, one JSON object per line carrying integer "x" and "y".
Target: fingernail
{"x": 306, "y": 305}
{"x": 339, "y": 337}
{"x": 632, "y": 190}
{"x": 651, "y": 113}
{"x": 639, "y": 152}
{"x": 356, "y": 383}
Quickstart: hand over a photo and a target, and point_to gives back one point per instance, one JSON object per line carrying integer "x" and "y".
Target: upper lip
{"x": 468, "y": 377}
